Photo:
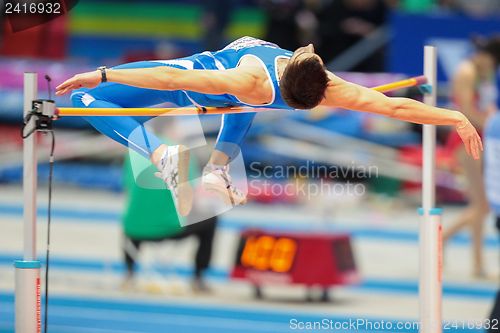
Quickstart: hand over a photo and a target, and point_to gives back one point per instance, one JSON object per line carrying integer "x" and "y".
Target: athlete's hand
{"x": 84, "y": 80}
{"x": 471, "y": 138}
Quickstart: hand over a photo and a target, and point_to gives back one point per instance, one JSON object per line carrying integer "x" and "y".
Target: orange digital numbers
{"x": 269, "y": 253}
{"x": 283, "y": 254}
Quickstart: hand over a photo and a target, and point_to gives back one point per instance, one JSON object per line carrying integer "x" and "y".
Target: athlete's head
{"x": 488, "y": 51}
{"x": 304, "y": 81}
{"x": 493, "y": 48}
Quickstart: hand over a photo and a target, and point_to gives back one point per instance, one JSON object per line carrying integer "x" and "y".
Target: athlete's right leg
{"x": 171, "y": 161}
{"x": 124, "y": 130}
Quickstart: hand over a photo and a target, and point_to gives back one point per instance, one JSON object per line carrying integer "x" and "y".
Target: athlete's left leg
{"x": 233, "y": 131}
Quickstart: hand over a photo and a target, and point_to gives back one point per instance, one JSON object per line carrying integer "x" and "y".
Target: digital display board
{"x": 295, "y": 258}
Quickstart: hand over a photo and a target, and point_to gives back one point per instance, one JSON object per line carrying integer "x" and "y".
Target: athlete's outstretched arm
{"x": 231, "y": 81}
{"x": 347, "y": 95}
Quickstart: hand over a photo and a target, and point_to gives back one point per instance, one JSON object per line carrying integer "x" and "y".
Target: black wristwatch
{"x": 103, "y": 74}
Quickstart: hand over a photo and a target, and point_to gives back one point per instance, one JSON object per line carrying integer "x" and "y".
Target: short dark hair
{"x": 489, "y": 45}
{"x": 303, "y": 83}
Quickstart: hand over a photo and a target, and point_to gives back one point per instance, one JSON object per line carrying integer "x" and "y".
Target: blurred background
{"x": 355, "y": 186}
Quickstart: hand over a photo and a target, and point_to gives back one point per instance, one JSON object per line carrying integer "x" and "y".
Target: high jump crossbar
{"x": 183, "y": 111}
{"x": 27, "y": 275}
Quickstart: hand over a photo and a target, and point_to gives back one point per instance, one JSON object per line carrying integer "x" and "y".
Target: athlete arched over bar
{"x": 247, "y": 72}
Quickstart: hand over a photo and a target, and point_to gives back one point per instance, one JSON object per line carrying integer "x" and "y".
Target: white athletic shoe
{"x": 217, "y": 179}
{"x": 173, "y": 169}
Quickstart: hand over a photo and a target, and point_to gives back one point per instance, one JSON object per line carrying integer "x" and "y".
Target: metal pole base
{"x": 431, "y": 263}
{"x": 28, "y": 296}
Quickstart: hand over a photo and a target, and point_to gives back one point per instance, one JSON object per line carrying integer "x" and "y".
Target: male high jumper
{"x": 247, "y": 72}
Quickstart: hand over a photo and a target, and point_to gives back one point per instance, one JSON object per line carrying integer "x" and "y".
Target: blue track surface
{"x": 78, "y": 314}
{"x": 406, "y": 287}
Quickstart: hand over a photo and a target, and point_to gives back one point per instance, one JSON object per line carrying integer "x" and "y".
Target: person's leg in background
{"x": 130, "y": 253}
{"x": 204, "y": 253}
{"x": 205, "y": 232}
{"x": 476, "y": 212}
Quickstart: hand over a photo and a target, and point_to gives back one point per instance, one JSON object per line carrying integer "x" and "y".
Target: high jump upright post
{"x": 27, "y": 276}
{"x": 430, "y": 240}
